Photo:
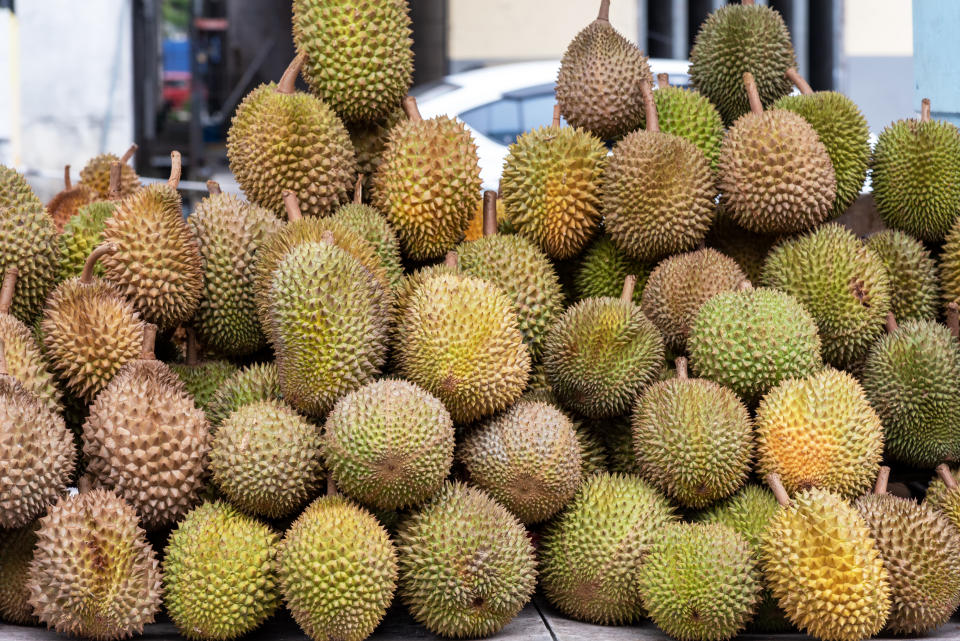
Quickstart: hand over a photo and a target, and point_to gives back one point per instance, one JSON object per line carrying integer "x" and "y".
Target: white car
{"x": 499, "y": 103}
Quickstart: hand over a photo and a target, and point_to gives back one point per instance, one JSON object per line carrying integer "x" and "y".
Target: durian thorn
{"x": 66, "y": 177}
{"x": 331, "y": 486}
{"x": 115, "y": 173}
{"x": 128, "y": 154}
{"x": 288, "y": 81}
{"x": 663, "y": 80}
{"x": 213, "y": 187}
{"x": 753, "y": 95}
{"x": 653, "y": 123}
{"x": 86, "y": 276}
{"x": 891, "y": 323}
{"x": 943, "y": 471}
{"x": 883, "y": 477}
{"x": 776, "y": 485}
{"x": 604, "y": 13}
{"x": 292, "y": 205}
{"x": 328, "y": 238}
{"x": 681, "y": 364}
{"x": 953, "y": 319}
{"x": 8, "y": 289}
{"x": 3, "y": 360}
{"x": 745, "y": 285}
{"x": 489, "y": 213}
{"x": 411, "y": 109}
{"x": 556, "y": 115}
{"x": 794, "y": 76}
{"x": 629, "y": 283}
{"x": 450, "y": 260}
{"x": 193, "y": 348}
{"x": 176, "y": 169}
{"x": 925, "y": 110}
{"x": 358, "y": 190}
{"x": 149, "y": 342}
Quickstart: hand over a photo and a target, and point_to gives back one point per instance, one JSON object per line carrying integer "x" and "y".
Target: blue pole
{"x": 936, "y": 57}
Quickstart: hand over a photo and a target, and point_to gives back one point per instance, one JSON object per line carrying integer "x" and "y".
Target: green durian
{"x": 914, "y": 287}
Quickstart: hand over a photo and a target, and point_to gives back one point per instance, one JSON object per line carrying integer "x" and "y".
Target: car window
{"x": 505, "y": 119}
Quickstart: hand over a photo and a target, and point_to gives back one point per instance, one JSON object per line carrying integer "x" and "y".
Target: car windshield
{"x": 515, "y": 113}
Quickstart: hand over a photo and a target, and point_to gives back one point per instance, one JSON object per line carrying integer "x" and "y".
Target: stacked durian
{"x": 377, "y": 384}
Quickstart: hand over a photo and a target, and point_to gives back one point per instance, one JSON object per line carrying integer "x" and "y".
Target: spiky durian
{"x": 603, "y": 268}
{"x": 16, "y": 193}
{"x": 16, "y": 552}
{"x": 942, "y": 494}
{"x": 748, "y": 248}
{"x": 97, "y": 174}
{"x": 687, "y": 113}
{"x": 68, "y": 201}
{"x": 81, "y": 235}
{"x": 914, "y": 287}
{"x": 369, "y": 140}
{"x": 201, "y": 378}
{"x": 370, "y": 225}
{"x": 28, "y": 241}
{"x": 257, "y": 382}
{"x": 950, "y": 265}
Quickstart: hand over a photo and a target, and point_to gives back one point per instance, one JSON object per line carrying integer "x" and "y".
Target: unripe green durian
{"x": 687, "y": 113}
{"x": 603, "y": 268}
{"x": 257, "y": 382}
{"x": 914, "y": 287}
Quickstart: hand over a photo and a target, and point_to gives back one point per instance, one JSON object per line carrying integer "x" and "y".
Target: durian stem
{"x": 745, "y": 285}
{"x": 489, "y": 213}
{"x": 953, "y": 319}
{"x": 86, "y": 276}
{"x": 3, "y": 360}
{"x": 292, "y": 205}
{"x": 794, "y": 76}
{"x": 604, "y": 13}
{"x": 411, "y": 109}
{"x": 66, "y": 177}
{"x": 288, "y": 81}
{"x": 358, "y": 191}
{"x": 681, "y": 364}
{"x": 327, "y": 237}
{"x": 753, "y": 95}
{"x": 943, "y": 471}
{"x": 84, "y": 484}
{"x": 115, "y": 173}
{"x": 663, "y": 80}
{"x": 925, "y": 110}
{"x": 556, "y": 116}
{"x": 128, "y": 154}
{"x": 450, "y": 260}
{"x": 776, "y": 485}
{"x": 331, "y": 486}
{"x": 149, "y": 342}
{"x": 653, "y": 123}
{"x": 213, "y": 187}
{"x": 193, "y": 348}
{"x": 8, "y": 289}
{"x": 891, "y": 323}
{"x": 883, "y": 478}
{"x": 629, "y": 283}
{"x": 176, "y": 169}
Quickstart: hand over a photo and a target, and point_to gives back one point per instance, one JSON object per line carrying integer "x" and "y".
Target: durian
{"x": 68, "y": 201}
{"x": 687, "y": 113}
{"x": 370, "y": 225}
{"x": 201, "y": 378}
{"x": 28, "y": 241}
{"x": 97, "y": 174}
{"x": 943, "y": 496}
{"x": 257, "y": 382}
{"x": 602, "y": 270}
{"x": 914, "y": 286}
{"x": 16, "y": 193}
{"x": 81, "y": 235}
{"x": 16, "y": 552}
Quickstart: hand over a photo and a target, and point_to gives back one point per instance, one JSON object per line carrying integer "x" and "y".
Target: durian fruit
{"x": 67, "y": 202}
{"x": 912, "y": 379}
{"x": 146, "y": 440}
{"x": 25, "y": 362}
{"x": 843, "y": 131}
{"x": 824, "y": 567}
{"x": 916, "y": 175}
{"x": 528, "y": 459}
{"x": 266, "y": 459}
{"x": 281, "y": 139}
{"x": 389, "y": 444}
{"x": 28, "y": 241}
{"x": 16, "y": 193}
{"x": 157, "y": 265}
{"x": 81, "y": 235}
{"x": 602, "y": 353}
{"x": 16, "y": 552}
{"x": 370, "y": 225}
{"x": 97, "y": 175}
{"x": 693, "y": 439}
{"x": 593, "y": 553}
{"x": 521, "y": 270}
{"x": 460, "y": 340}
{"x": 919, "y": 550}
{"x": 90, "y": 331}
{"x": 950, "y": 265}
{"x": 229, "y": 233}
{"x": 658, "y": 191}
{"x": 603, "y": 268}
{"x": 748, "y": 248}
{"x": 551, "y": 187}
{"x": 680, "y": 285}
{"x": 369, "y": 140}
{"x": 219, "y": 573}
{"x": 687, "y": 113}
{"x": 37, "y": 454}
{"x": 741, "y": 38}
{"x": 914, "y": 286}
{"x": 257, "y": 382}
{"x": 841, "y": 282}
{"x": 201, "y": 379}
{"x": 617, "y": 435}
{"x": 775, "y": 174}
{"x": 338, "y": 570}
{"x": 93, "y": 573}
{"x": 943, "y": 496}
{"x": 428, "y": 182}
{"x": 467, "y": 566}
{"x": 819, "y": 431}
{"x": 328, "y": 325}
{"x": 700, "y": 582}
{"x": 598, "y": 86}
{"x": 752, "y": 339}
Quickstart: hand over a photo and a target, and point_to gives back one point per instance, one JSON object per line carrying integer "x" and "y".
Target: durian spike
{"x": 66, "y": 177}
{"x": 8, "y": 289}
{"x": 794, "y": 76}
{"x": 213, "y": 187}
{"x": 943, "y": 471}
{"x": 883, "y": 478}
{"x": 953, "y": 319}
{"x": 776, "y": 485}
{"x": 115, "y": 173}
{"x": 86, "y": 276}
{"x": 925, "y": 110}
{"x": 556, "y": 115}
{"x": 745, "y": 285}
{"x": 176, "y": 169}
{"x": 450, "y": 260}
{"x": 358, "y": 191}
{"x": 753, "y": 95}
{"x": 411, "y": 109}
{"x": 328, "y": 238}
{"x": 653, "y": 123}
{"x": 193, "y": 348}
{"x": 149, "y": 342}
{"x": 663, "y": 80}
{"x": 288, "y": 81}
{"x": 128, "y": 154}
{"x": 891, "y": 323}
{"x": 3, "y": 360}
{"x": 681, "y": 365}
{"x": 489, "y": 213}
{"x": 629, "y": 283}
{"x": 331, "y": 486}
{"x": 604, "y": 13}
{"x": 292, "y": 205}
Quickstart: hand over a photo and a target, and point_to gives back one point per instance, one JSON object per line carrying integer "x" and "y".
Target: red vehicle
{"x": 176, "y": 89}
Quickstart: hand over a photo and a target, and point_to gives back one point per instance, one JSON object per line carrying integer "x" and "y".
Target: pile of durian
{"x": 649, "y": 377}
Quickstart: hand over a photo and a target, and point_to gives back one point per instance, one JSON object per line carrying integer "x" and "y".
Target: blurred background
{"x": 79, "y": 78}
